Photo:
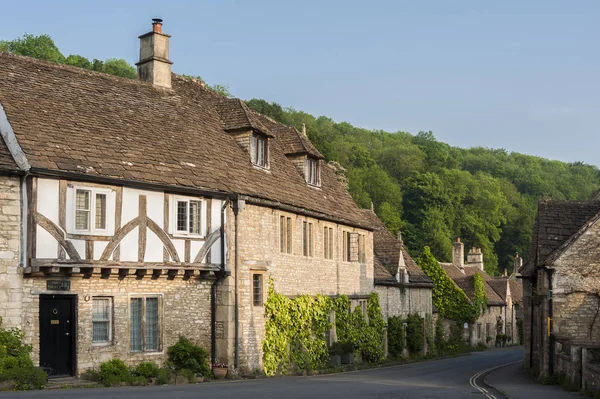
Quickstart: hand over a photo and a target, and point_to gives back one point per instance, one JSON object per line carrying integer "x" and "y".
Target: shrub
{"x": 147, "y": 370}
{"x": 164, "y": 376}
{"x": 414, "y": 333}
{"x": 13, "y": 353}
{"x": 185, "y": 355}
{"x": 25, "y": 378}
{"x": 395, "y": 336}
{"x": 113, "y": 372}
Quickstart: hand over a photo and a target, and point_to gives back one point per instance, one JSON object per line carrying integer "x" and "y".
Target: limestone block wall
{"x": 11, "y": 275}
{"x": 490, "y": 317}
{"x": 292, "y": 273}
{"x": 184, "y": 310}
{"x": 401, "y": 301}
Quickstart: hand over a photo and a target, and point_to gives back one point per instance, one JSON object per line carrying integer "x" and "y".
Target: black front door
{"x": 57, "y": 334}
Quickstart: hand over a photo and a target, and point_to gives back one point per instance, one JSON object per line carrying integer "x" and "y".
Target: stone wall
{"x": 489, "y": 317}
{"x": 292, "y": 273}
{"x": 185, "y": 310}
{"x": 401, "y": 301}
{"x": 10, "y": 271}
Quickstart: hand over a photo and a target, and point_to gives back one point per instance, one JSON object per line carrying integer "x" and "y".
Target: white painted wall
{"x": 48, "y": 199}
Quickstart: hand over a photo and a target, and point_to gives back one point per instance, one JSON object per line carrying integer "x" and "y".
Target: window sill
{"x": 314, "y": 186}
{"x": 263, "y": 168}
{"x": 188, "y": 236}
{"x": 101, "y": 344}
{"x": 101, "y": 233}
{"x": 149, "y": 353}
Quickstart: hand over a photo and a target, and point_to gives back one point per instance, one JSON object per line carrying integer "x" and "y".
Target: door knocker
{"x": 54, "y": 311}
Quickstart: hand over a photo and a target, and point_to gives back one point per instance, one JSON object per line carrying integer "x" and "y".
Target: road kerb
{"x": 487, "y": 372}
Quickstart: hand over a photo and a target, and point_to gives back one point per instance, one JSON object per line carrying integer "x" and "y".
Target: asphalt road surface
{"x": 447, "y": 378}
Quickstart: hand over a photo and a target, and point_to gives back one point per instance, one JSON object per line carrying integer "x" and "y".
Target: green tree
{"x": 42, "y": 47}
{"x": 119, "y": 67}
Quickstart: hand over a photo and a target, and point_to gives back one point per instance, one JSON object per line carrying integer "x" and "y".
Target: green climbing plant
{"x": 448, "y": 298}
{"x": 479, "y": 297}
{"x": 295, "y": 332}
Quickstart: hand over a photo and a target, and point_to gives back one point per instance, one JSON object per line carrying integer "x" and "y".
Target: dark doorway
{"x": 57, "y": 334}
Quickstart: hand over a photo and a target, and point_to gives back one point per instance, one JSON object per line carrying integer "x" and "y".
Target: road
{"x": 447, "y": 378}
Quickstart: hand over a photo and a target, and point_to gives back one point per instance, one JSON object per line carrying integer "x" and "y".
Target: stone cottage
{"x": 402, "y": 286}
{"x": 561, "y": 281}
{"x": 493, "y": 321}
{"x": 136, "y": 211}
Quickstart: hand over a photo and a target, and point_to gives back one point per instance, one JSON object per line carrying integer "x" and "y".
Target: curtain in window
{"x": 135, "y": 325}
{"x": 151, "y": 324}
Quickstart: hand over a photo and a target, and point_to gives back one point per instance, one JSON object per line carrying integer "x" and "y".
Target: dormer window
{"x": 313, "y": 173}
{"x": 259, "y": 150}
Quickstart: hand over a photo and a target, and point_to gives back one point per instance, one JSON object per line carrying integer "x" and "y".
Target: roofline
{"x": 399, "y": 284}
{"x": 42, "y": 172}
{"x": 301, "y": 211}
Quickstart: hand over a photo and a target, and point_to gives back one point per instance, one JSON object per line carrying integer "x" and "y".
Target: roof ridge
{"x": 72, "y": 68}
{"x": 554, "y": 255}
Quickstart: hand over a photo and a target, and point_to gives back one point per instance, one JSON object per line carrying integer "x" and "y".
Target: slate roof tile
{"x": 68, "y": 119}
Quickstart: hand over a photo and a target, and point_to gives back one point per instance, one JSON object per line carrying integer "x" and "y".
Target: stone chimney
{"x": 518, "y": 263}
{"x": 475, "y": 257}
{"x": 154, "y": 65}
{"x": 402, "y": 272}
{"x": 458, "y": 254}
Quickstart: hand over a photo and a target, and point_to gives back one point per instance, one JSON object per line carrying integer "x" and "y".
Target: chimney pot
{"x": 157, "y": 25}
{"x": 458, "y": 254}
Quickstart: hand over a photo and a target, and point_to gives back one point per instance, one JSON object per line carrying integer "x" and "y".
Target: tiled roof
{"x": 387, "y": 251}
{"x": 557, "y": 224}
{"x": 6, "y": 160}
{"x": 466, "y": 282}
{"x": 68, "y": 119}
{"x": 516, "y": 290}
{"x": 236, "y": 115}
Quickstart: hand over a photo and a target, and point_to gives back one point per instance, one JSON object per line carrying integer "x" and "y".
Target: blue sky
{"x": 519, "y": 75}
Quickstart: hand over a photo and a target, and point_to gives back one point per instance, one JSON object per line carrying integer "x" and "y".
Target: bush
{"x": 147, "y": 370}
{"x": 395, "y": 336}
{"x": 13, "y": 353}
{"x": 164, "y": 376}
{"x": 115, "y": 371}
{"x": 185, "y": 355}
{"x": 414, "y": 334}
{"x": 25, "y": 378}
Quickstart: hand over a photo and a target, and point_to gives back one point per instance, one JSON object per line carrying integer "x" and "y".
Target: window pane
{"x": 182, "y": 215}
{"x": 282, "y": 233}
{"x": 257, "y": 289}
{"x": 135, "y": 326}
{"x": 260, "y": 151}
{"x": 82, "y": 220}
{"x": 325, "y": 244}
{"x": 101, "y": 320}
{"x": 151, "y": 324}
{"x": 310, "y": 239}
{"x": 195, "y": 208}
{"x": 100, "y": 211}
{"x": 82, "y": 200}
{"x": 253, "y": 148}
{"x": 304, "y": 239}
{"x": 289, "y": 235}
{"x": 82, "y": 210}
{"x": 330, "y": 243}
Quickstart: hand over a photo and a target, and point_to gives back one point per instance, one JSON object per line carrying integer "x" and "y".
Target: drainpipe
{"x": 236, "y": 210}
{"x": 213, "y": 289}
{"x": 550, "y": 315}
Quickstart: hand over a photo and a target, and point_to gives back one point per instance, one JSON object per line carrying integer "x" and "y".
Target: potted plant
{"x": 219, "y": 370}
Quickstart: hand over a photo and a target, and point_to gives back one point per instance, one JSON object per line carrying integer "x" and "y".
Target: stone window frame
{"x": 328, "y": 242}
{"x": 173, "y": 203}
{"x": 110, "y": 320}
{"x": 159, "y": 327}
{"x": 479, "y": 332}
{"x": 110, "y": 210}
{"x": 262, "y": 275}
{"x": 308, "y": 238}
{"x": 286, "y": 233}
